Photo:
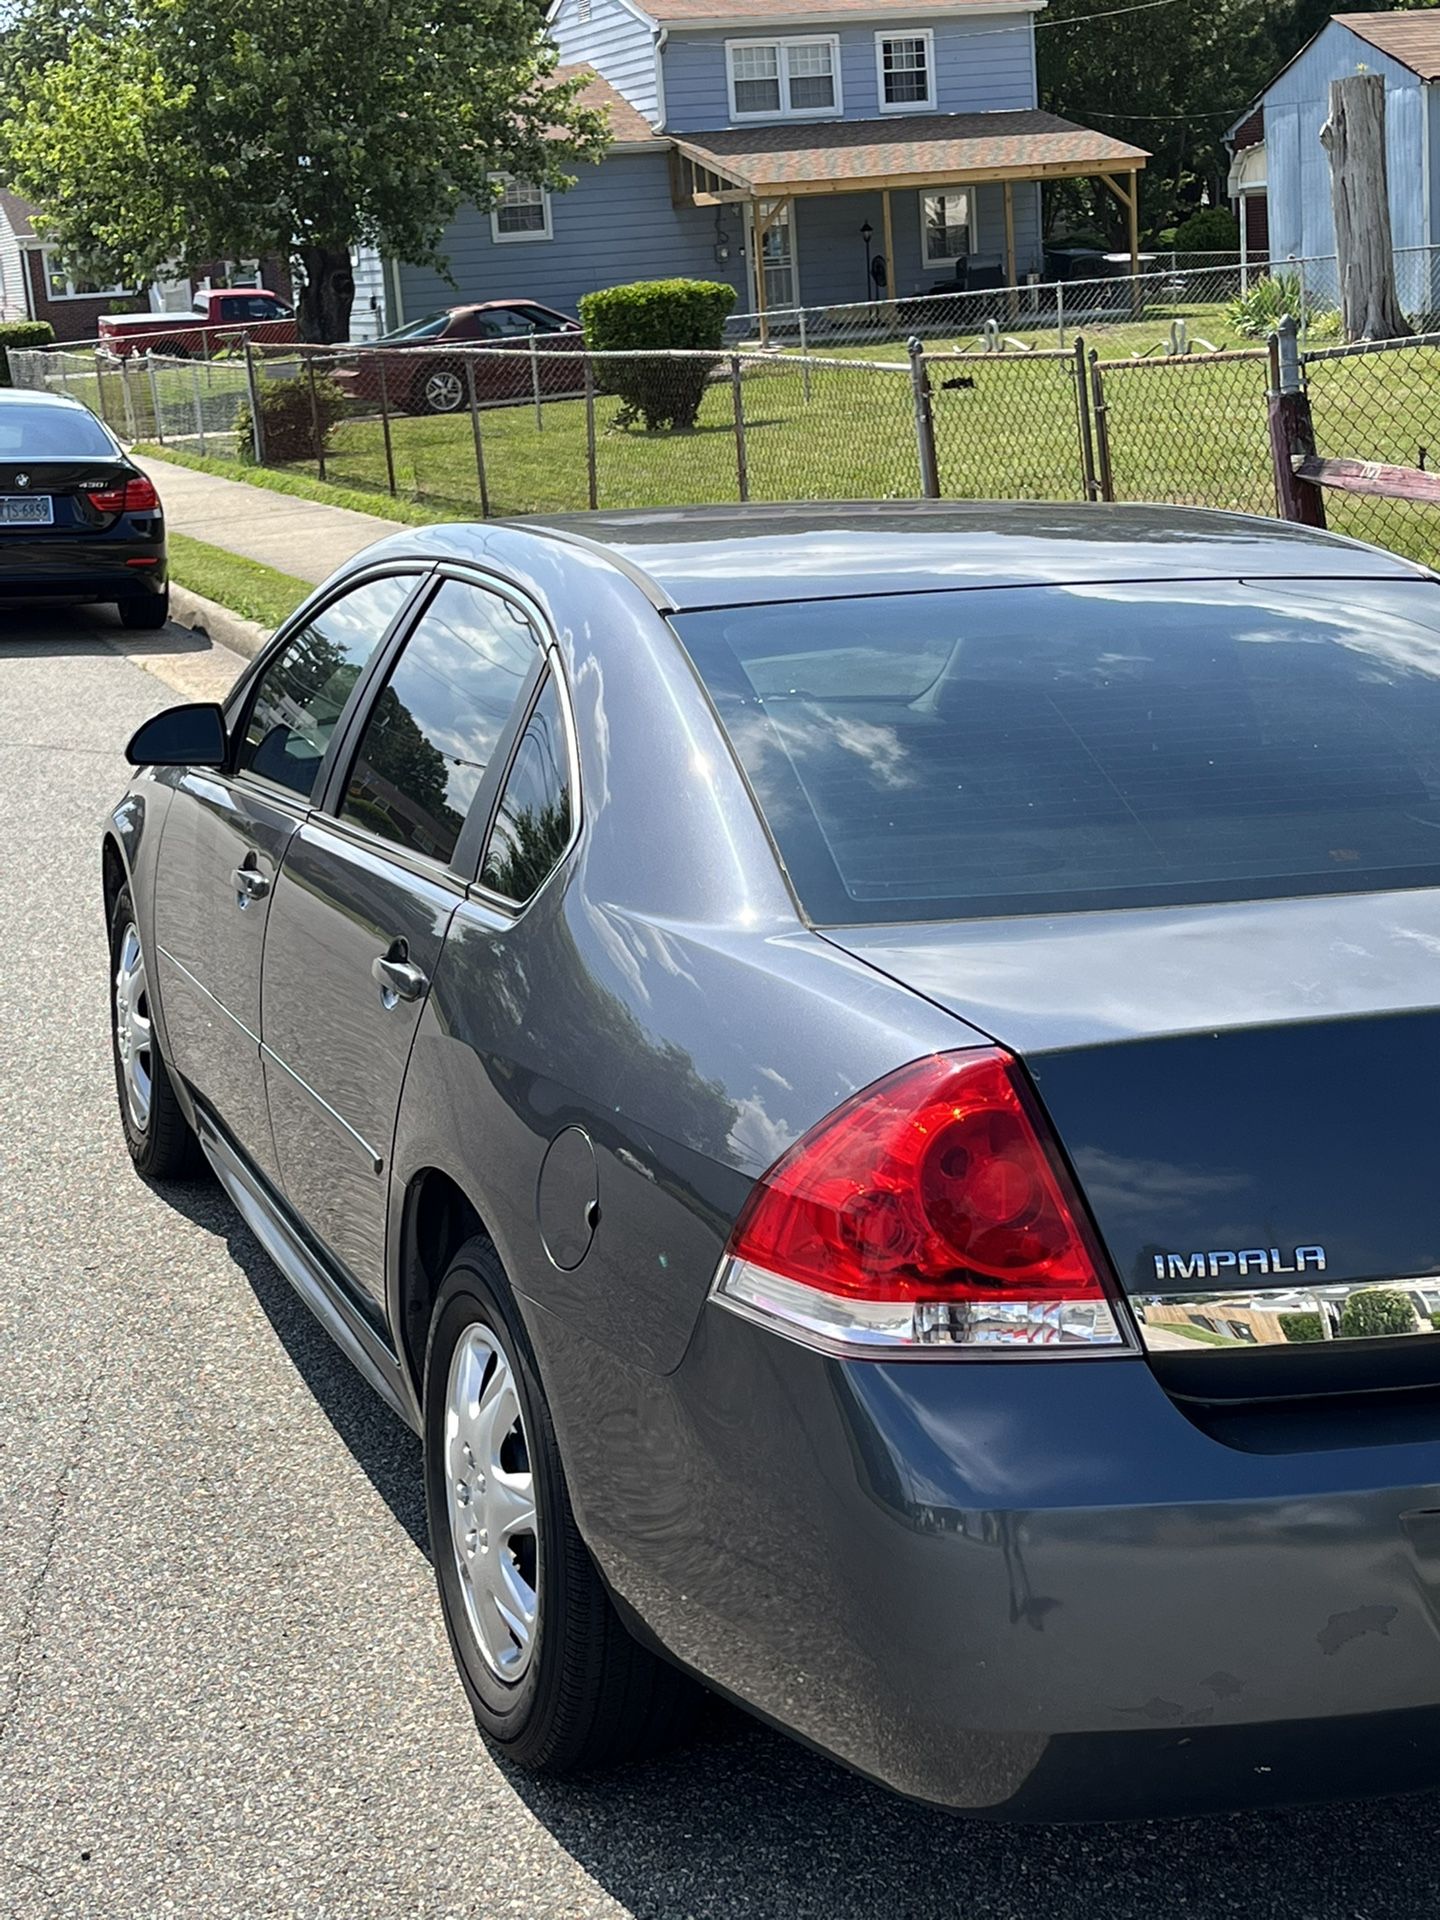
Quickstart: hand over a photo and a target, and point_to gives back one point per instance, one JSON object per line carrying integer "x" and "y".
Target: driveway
{"x": 224, "y": 1689}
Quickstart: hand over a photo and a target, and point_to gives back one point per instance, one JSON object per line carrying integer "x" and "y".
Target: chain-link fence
{"x": 1011, "y": 426}
{"x": 1380, "y": 403}
{"x": 1188, "y": 430}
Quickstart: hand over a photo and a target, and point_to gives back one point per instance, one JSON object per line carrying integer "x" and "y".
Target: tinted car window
{"x": 434, "y": 727}
{"x": 429, "y": 328}
{"x": 532, "y": 823}
{"x": 1035, "y": 749}
{"x": 303, "y": 691}
{"x": 31, "y": 432}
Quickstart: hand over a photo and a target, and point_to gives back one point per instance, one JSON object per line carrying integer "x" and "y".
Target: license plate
{"x": 26, "y": 510}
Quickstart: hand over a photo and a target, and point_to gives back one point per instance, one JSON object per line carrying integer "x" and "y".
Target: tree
{"x": 1354, "y": 138}
{"x": 164, "y": 132}
{"x": 1378, "y": 1310}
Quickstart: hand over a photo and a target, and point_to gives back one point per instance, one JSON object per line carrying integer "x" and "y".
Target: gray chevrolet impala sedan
{"x": 866, "y": 1079}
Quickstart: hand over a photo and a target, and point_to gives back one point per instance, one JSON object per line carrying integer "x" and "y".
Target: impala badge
{"x": 1242, "y": 1261}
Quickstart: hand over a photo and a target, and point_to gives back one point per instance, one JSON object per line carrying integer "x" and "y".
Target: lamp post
{"x": 867, "y": 234}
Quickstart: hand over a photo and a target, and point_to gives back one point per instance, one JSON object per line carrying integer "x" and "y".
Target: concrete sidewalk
{"x": 300, "y": 537}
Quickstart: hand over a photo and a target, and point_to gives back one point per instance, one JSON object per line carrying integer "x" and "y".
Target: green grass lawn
{"x": 246, "y": 587}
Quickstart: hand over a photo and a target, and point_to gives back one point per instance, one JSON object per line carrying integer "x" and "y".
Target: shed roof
{"x": 1411, "y": 38}
{"x": 18, "y": 213}
{"x": 847, "y": 155}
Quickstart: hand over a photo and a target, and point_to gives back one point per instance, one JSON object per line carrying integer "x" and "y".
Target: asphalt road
{"x": 224, "y": 1688}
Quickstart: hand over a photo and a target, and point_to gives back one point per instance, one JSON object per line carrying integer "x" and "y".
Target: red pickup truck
{"x": 218, "y": 319}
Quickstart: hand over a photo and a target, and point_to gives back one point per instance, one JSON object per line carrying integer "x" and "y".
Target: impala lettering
{"x": 1249, "y": 1260}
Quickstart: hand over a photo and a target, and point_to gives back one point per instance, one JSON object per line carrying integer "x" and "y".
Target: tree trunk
{"x": 1354, "y": 138}
{"x": 327, "y": 295}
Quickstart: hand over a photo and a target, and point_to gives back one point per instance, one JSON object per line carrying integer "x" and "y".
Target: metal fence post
{"x": 1292, "y": 429}
{"x": 155, "y": 398}
{"x": 475, "y": 431}
{"x": 257, "y": 425}
{"x": 317, "y": 436}
{"x": 535, "y": 386}
{"x": 1060, "y": 311}
{"x": 1100, "y": 410}
{"x": 742, "y": 469}
{"x": 127, "y": 399}
{"x": 924, "y": 419}
{"x": 199, "y": 408}
{"x": 592, "y": 473}
{"x": 1087, "y": 437}
{"x": 804, "y": 362}
{"x": 385, "y": 426}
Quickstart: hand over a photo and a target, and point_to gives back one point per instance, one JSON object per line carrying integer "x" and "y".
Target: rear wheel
{"x": 554, "y": 1679}
{"x": 439, "y": 389}
{"x": 157, "y": 1133}
{"x": 147, "y": 615}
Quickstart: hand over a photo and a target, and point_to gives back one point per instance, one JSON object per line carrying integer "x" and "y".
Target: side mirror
{"x": 180, "y": 737}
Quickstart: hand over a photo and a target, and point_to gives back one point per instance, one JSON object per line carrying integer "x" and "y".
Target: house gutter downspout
{"x": 662, "y": 34}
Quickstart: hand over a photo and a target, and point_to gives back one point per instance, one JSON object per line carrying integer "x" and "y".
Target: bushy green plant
{"x": 1378, "y": 1310}
{"x": 654, "y": 315}
{"x": 23, "y": 335}
{"x": 1298, "y": 1327}
{"x": 1265, "y": 303}
{"x": 1211, "y": 230}
{"x": 288, "y": 421}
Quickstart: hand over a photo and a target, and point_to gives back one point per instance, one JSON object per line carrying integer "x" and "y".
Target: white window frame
{"x": 782, "y": 43}
{"x": 927, "y": 35}
{"x": 547, "y": 232}
{"x": 927, "y": 265}
{"x": 47, "y": 256}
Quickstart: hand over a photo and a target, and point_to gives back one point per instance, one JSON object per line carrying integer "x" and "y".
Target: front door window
{"x": 945, "y": 220}
{"x": 777, "y": 254}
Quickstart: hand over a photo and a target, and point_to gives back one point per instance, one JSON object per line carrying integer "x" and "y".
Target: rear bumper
{"x": 1027, "y": 1588}
{"x": 83, "y": 567}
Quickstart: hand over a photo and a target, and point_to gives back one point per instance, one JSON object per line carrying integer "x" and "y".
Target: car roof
{"x": 38, "y": 397}
{"x": 691, "y": 557}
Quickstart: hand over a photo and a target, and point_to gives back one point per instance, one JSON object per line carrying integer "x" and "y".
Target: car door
{"x": 225, "y": 836}
{"x": 364, "y": 900}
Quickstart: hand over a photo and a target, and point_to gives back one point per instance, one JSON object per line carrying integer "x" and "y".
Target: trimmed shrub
{"x": 1377, "y": 1310}
{"x": 25, "y": 335}
{"x": 1211, "y": 230}
{"x": 655, "y": 315}
{"x": 287, "y": 423}
{"x": 1298, "y": 1327}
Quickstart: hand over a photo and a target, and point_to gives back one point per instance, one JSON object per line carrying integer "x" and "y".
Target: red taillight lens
{"x": 935, "y": 1204}
{"x": 134, "y": 496}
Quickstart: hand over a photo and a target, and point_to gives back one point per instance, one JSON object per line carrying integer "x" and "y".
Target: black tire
{"x": 162, "y": 1146}
{"x": 439, "y": 388}
{"x": 147, "y": 615}
{"x": 591, "y": 1696}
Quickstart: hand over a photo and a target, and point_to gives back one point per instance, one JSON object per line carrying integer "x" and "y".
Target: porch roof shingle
{"x": 628, "y": 126}
{"x": 859, "y": 153}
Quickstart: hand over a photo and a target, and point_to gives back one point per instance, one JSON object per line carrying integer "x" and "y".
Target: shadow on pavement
{"x": 744, "y": 1824}
{"x": 49, "y": 627}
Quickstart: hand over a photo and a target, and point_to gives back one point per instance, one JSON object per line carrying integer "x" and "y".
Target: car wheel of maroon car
{"x": 440, "y": 389}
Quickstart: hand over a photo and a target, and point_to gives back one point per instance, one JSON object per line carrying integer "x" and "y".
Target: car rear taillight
{"x": 931, "y": 1211}
{"x": 132, "y": 496}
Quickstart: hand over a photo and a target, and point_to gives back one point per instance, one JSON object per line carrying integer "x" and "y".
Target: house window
{"x": 63, "y": 284}
{"x": 780, "y": 79}
{"x": 905, "y": 65}
{"x": 946, "y": 230}
{"x": 521, "y": 213}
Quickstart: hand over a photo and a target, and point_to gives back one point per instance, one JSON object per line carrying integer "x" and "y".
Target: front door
{"x": 777, "y": 252}
{"x": 225, "y": 836}
{"x": 363, "y": 905}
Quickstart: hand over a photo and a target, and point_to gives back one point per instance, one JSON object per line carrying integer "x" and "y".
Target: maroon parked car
{"x": 419, "y": 377}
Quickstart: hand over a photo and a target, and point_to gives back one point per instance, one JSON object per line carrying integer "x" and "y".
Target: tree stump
{"x": 1354, "y": 138}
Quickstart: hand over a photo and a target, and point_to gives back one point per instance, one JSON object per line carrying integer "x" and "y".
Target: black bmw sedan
{"x": 865, "y": 1078}
{"x": 78, "y": 519}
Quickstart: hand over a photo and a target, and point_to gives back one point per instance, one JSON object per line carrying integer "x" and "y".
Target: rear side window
{"x": 532, "y": 823}
{"x": 435, "y": 726}
{"x": 1043, "y": 749}
{"x": 30, "y": 431}
{"x": 302, "y": 693}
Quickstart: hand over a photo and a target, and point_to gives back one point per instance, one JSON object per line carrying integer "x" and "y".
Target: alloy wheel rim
{"x": 442, "y": 390}
{"x": 133, "y": 1040}
{"x": 490, "y": 1490}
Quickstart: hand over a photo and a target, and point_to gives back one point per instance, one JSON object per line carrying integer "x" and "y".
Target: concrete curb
{"x": 218, "y": 623}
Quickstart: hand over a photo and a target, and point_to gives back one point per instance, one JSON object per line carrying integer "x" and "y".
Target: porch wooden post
{"x": 757, "y": 254}
{"x": 1012, "y": 270}
{"x": 1133, "y": 210}
{"x": 889, "y": 249}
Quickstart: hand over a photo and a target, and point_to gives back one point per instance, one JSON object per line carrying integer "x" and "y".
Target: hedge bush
{"x": 1211, "y": 230}
{"x": 1378, "y": 1310}
{"x": 655, "y": 315}
{"x": 288, "y": 421}
{"x": 23, "y": 335}
{"x": 1297, "y": 1327}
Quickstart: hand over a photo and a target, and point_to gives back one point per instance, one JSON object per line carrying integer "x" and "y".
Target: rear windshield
{"x": 37, "y": 432}
{"x": 1043, "y": 749}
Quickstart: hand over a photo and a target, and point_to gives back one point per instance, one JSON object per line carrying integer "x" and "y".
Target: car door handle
{"x": 250, "y": 884}
{"x": 397, "y": 976}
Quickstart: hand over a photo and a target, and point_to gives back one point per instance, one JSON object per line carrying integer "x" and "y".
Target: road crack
{"x": 30, "y": 1610}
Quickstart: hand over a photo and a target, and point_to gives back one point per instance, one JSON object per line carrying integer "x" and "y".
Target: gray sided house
{"x": 818, "y": 140}
{"x": 1293, "y": 168}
